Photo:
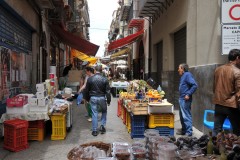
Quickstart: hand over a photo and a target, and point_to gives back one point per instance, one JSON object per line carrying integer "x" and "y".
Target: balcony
{"x": 125, "y": 10}
{"x": 153, "y": 8}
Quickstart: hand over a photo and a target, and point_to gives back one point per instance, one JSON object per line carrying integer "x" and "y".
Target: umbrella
{"x": 121, "y": 62}
{"x": 122, "y": 66}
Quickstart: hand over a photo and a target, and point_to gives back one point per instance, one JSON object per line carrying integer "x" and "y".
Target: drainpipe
{"x": 150, "y": 47}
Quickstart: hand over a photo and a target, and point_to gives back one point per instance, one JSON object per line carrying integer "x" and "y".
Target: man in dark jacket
{"x": 187, "y": 87}
{"x": 98, "y": 95}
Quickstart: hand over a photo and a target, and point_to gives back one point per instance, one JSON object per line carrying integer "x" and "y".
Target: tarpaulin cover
{"x": 125, "y": 41}
{"x": 83, "y": 57}
{"x": 74, "y": 41}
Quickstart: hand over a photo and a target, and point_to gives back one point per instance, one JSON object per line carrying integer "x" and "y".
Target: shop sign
{"x": 230, "y": 12}
{"x": 230, "y": 38}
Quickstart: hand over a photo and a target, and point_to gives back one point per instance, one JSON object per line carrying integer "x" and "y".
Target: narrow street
{"x": 79, "y": 134}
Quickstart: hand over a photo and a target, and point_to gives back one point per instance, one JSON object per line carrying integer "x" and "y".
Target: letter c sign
{"x": 231, "y": 12}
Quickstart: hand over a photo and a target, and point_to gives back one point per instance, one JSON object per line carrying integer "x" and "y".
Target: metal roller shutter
{"x": 180, "y": 53}
{"x": 159, "y": 62}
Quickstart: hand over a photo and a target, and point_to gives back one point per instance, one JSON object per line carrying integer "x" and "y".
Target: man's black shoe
{"x": 180, "y": 133}
{"x": 94, "y": 133}
{"x": 102, "y": 129}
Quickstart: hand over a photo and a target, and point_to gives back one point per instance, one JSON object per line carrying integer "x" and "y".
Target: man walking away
{"x": 187, "y": 87}
{"x": 226, "y": 90}
{"x": 98, "y": 95}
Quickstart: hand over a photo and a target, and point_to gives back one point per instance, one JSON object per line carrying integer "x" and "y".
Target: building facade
{"x": 38, "y": 34}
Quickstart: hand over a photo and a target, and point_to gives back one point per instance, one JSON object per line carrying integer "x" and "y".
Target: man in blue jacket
{"x": 187, "y": 87}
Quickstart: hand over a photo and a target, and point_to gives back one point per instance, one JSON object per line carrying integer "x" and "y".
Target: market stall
{"x": 26, "y": 115}
{"x": 141, "y": 104}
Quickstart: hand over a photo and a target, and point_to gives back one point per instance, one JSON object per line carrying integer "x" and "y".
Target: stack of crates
{"x": 36, "y": 130}
{"x": 164, "y": 123}
{"x": 15, "y": 135}
{"x": 124, "y": 115}
{"x": 58, "y": 127}
{"x": 119, "y": 109}
{"x": 138, "y": 126}
{"x": 128, "y": 122}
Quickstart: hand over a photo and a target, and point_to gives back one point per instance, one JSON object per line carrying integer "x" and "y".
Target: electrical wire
{"x": 99, "y": 28}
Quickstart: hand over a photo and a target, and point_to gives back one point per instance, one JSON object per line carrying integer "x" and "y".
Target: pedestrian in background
{"x": 227, "y": 93}
{"x": 64, "y": 78}
{"x": 187, "y": 87}
{"x": 66, "y": 70}
{"x": 89, "y": 73}
{"x": 98, "y": 95}
{"x": 83, "y": 82}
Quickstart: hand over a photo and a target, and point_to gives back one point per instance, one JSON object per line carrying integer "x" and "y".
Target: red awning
{"x": 75, "y": 42}
{"x": 137, "y": 23}
{"x": 125, "y": 41}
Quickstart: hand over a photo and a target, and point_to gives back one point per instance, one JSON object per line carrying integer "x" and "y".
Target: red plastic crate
{"x": 36, "y": 124}
{"x": 15, "y": 135}
{"x": 124, "y": 115}
{"x": 119, "y": 109}
{"x": 17, "y": 101}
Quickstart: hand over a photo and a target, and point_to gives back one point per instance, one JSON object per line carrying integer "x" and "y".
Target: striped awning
{"x": 120, "y": 53}
{"x": 77, "y": 54}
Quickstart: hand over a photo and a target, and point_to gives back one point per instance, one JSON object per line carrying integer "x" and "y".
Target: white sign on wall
{"x": 230, "y": 38}
{"x": 230, "y": 11}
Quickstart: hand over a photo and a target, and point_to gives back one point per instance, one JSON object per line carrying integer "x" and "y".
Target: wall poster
{"x": 5, "y": 73}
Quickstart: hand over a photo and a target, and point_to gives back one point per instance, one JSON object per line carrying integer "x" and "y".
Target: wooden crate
{"x": 139, "y": 108}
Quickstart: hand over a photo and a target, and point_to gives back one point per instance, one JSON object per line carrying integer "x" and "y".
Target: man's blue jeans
{"x": 96, "y": 102}
{"x": 185, "y": 116}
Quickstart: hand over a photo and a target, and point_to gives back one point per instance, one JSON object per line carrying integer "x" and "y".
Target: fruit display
{"x": 139, "y": 89}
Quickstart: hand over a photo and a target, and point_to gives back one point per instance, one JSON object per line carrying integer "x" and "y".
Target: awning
{"x": 83, "y": 57}
{"x": 121, "y": 52}
{"x": 136, "y": 23}
{"x": 125, "y": 41}
{"x": 75, "y": 42}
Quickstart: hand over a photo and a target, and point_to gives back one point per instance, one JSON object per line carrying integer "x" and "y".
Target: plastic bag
{"x": 79, "y": 99}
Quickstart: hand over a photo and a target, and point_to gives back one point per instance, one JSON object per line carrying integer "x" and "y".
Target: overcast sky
{"x": 100, "y": 12}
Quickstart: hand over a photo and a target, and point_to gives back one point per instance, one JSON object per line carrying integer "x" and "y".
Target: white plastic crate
{"x": 160, "y": 108}
{"x": 35, "y": 108}
{"x": 18, "y": 110}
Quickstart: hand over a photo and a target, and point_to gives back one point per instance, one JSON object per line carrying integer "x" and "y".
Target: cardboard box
{"x": 32, "y": 100}
{"x": 160, "y": 107}
{"x": 42, "y": 101}
{"x": 74, "y": 75}
{"x": 41, "y": 87}
{"x": 42, "y": 94}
